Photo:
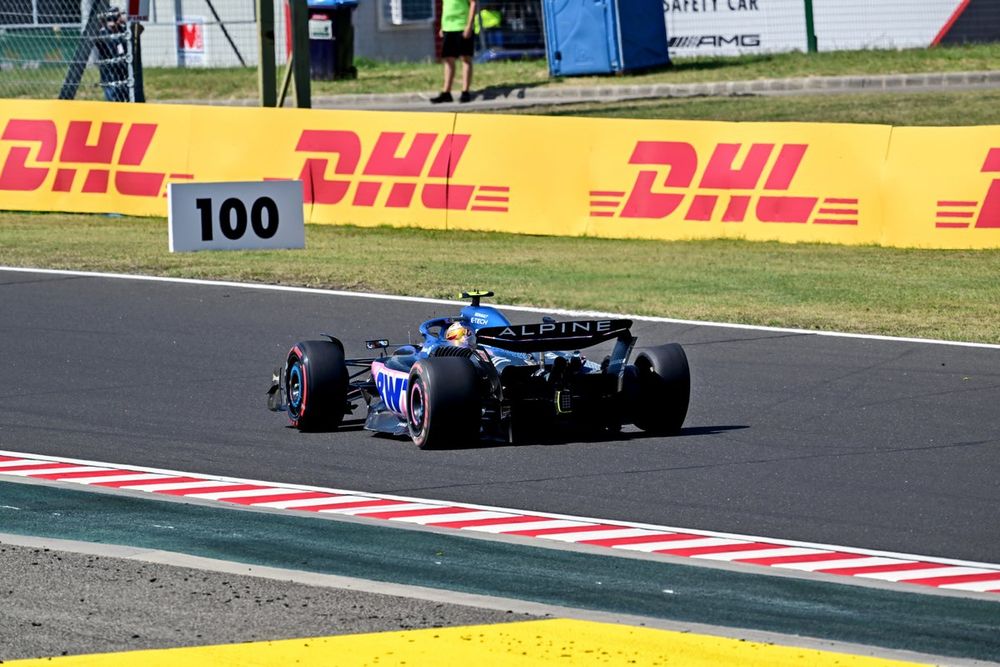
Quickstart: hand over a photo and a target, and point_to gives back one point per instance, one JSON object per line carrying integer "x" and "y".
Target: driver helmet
{"x": 457, "y": 333}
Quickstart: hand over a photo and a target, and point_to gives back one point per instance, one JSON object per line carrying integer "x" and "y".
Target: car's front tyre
{"x": 316, "y": 383}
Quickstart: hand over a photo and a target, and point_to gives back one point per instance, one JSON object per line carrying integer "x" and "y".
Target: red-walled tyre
{"x": 443, "y": 403}
{"x": 664, "y": 389}
{"x": 316, "y": 383}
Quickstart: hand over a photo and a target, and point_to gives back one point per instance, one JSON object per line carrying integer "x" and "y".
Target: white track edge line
{"x": 523, "y": 309}
{"x": 580, "y": 519}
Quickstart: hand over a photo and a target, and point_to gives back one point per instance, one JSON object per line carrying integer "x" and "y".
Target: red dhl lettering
{"x": 958, "y": 214}
{"x": 655, "y": 196}
{"x": 989, "y": 215}
{"x": 28, "y": 167}
{"x": 333, "y": 172}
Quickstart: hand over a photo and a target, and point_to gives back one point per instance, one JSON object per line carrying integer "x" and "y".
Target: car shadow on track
{"x": 345, "y": 426}
{"x": 557, "y": 438}
{"x": 571, "y": 438}
{"x": 709, "y": 430}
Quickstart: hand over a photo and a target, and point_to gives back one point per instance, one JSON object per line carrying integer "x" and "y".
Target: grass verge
{"x": 938, "y": 108}
{"x": 378, "y": 77}
{"x": 951, "y": 295}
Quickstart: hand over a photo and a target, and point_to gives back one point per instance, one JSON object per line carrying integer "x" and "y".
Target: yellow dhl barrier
{"x": 942, "y": 187}
{"x": 667, "y": 180}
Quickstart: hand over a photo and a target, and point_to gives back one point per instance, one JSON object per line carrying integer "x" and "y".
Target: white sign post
{"x": 235, "y": 216}
{"x": 191, "y": 48}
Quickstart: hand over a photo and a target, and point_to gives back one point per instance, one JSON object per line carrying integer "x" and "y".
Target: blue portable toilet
{"x": 604, "y": 36}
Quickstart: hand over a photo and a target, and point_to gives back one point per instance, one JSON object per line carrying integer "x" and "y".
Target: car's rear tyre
{"x": 316, "y": 382}
{"x": 443, "y": 403}
{"x": 664, "y": 389}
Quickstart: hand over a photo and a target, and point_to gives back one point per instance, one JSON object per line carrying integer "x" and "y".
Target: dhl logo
{"x": 656, "y": 197}
{"x": 957, "y": 214}
{"x": 32, "y": 158}
{"x": 392, "y": 173}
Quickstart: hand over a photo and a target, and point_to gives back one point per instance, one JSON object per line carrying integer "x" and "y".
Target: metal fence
{"x": 208, "y": 33}
{"x": 71, "y": 48}
{"x": 67, "y": 49}
{"x": 509, "y": 29}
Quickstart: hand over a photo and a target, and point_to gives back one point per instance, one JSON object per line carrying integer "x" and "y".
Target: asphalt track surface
{"x": 876, "y": 444}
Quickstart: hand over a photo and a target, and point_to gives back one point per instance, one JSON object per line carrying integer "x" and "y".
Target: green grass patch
{"x": 935, "y": 294}
{"x": 980, "y": 107}
{"x": 926, "y": 293}
{"x": 379, "y": 77}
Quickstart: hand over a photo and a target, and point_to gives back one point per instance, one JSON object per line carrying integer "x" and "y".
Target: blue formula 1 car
{"x": 477, "y": 377}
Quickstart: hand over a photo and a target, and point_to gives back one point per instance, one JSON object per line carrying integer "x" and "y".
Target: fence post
{"x": 266, "y": 84}
{"x": 300, "y": 54}
{"x": 74, "y": 73}
{"x": 811, "y": 42}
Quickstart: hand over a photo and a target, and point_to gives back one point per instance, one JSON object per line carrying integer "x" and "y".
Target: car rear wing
{"x": 550, "y": 336}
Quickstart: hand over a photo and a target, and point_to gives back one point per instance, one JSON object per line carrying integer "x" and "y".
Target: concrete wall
{"x": 377, "y": 38}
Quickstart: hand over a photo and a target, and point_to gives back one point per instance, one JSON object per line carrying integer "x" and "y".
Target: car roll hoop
{"x": 476, "y": 296}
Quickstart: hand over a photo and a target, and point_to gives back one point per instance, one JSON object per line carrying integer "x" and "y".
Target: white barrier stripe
{"x": 978, "y": 586}
{"x": 583, "y": 520}
{"x": 301, "y": 503}
{"x": 938, "y": 571}
{"x": 342, "y": 500}
{"x": 672, "y": 545}
{"x": 526, "y": 524}
{"x": 434, "y": 511}
{"x": 167, "y": 485}
{"x": 51, "y": 471}
{"x": 390, "y": 506}
{"x": 56, "y": 471}
{"x": 584, "y": 535}
{"x": 125, "y": 477}
{"x": 478, "y": 515}
{"x": 432, "y": 519}
{"x": 78, "y": 470}
{"x": 21, "y": 462}
{"x": 835, "y": 563}
{"x": 245, "y": 493}
{"x": 899, "y": 575}
{"x": 778, "y": 552}
{"x": 945, "y": 572}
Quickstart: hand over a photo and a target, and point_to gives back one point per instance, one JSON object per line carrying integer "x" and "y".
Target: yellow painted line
{"x": 527, "y": 644}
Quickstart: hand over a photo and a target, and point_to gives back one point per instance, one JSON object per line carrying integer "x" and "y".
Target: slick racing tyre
{"x": 664, "y": 389}
{"x": 443, "y": 404}
{"x": 316, "y": 382}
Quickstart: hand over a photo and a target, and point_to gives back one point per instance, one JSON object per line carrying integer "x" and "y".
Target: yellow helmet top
{"x": 457, "y": 333}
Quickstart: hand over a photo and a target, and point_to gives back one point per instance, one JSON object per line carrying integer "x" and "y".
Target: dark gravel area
{"x": 60, "y": 603}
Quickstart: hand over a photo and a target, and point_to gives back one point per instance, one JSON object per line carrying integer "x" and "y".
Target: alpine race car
{"x": 479, "y": 377}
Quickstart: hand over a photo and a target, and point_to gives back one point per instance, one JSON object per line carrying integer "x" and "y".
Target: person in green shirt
{"x": 457, "y": 43}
